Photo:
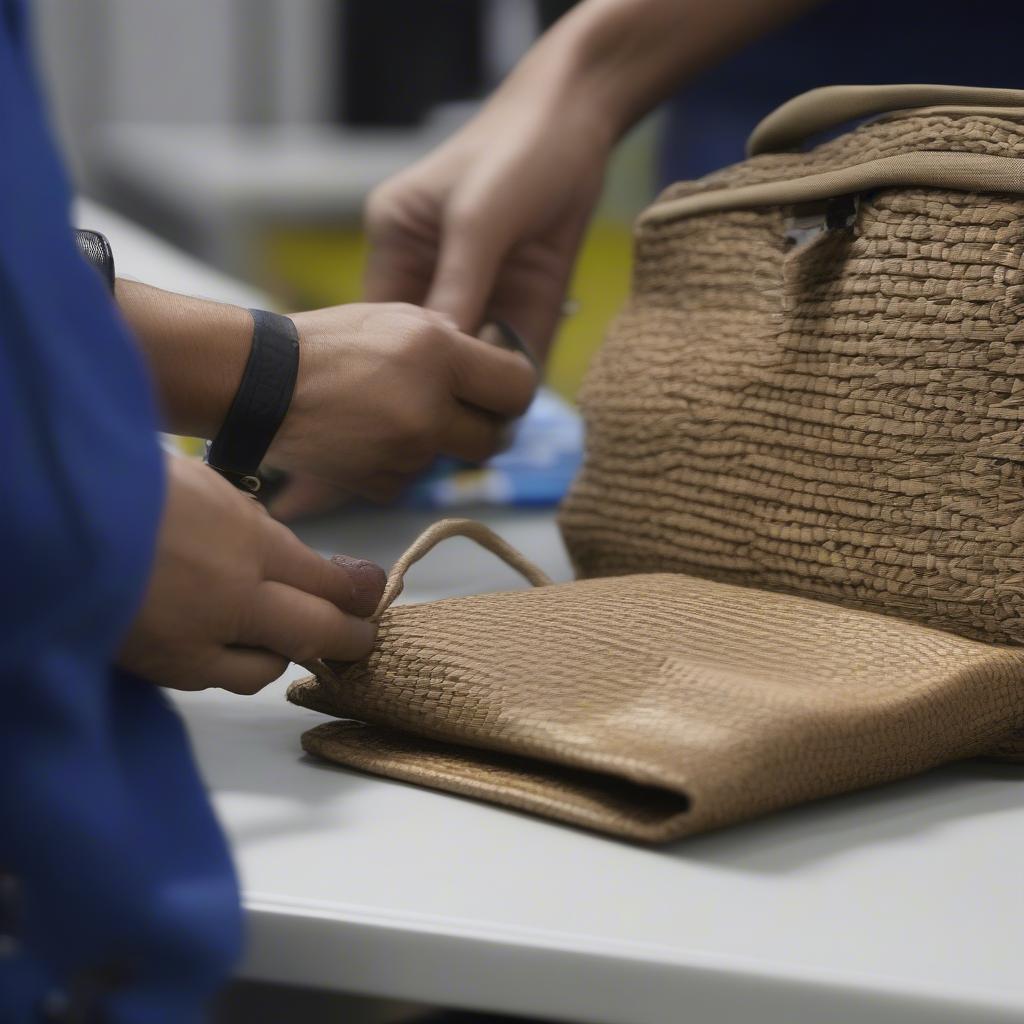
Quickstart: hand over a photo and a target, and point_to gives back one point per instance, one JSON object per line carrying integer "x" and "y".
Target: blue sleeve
{"x": 119, "y": 870}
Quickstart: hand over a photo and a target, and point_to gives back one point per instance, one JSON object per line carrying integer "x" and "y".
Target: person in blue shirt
{"x": 122, "y": 567}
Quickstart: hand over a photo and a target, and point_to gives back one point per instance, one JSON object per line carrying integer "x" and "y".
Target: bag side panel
{"x": 842, "y": 421}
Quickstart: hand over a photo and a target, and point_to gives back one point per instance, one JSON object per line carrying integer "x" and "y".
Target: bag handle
{"x": 816, "y": 111}
{"x": 426, "y": 542}
{"x": 442, "y": 530}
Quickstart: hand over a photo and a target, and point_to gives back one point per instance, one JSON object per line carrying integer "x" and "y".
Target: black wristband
{"x": 261, "y": 402}
{"x": 95, "y": 250}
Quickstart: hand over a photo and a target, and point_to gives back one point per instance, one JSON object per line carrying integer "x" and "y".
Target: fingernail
{"x": 367, "y": 579}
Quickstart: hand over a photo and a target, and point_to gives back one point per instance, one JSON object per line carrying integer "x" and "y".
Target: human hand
{"x": 488, "y": 225}
{"x": 383, "y": 389}
{"x": 234, "y": 596}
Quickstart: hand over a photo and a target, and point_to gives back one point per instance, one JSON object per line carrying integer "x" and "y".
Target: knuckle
{"x": 378, "y": 211}
{"x": 463, "y": 214}
{"x": 418, "y": 341}
{"x": 415, "y": 427}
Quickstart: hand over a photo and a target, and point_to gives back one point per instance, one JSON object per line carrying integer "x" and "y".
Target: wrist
{"x": 589, "y": 66}
{"x": 291, "y": 442}
{"x": 561, "y": 81}
{"x": 197, "y": 351}
{"x": 261, "y": 402}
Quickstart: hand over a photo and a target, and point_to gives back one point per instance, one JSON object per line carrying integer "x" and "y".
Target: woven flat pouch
{"x": 655, "y": 706}
{"x": 817, "y": 386}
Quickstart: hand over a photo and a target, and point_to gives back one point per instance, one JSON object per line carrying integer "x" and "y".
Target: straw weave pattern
{"x": 659, "y": 705}
{"x": 842, "y": 419}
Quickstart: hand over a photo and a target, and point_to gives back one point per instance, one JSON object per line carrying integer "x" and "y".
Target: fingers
{"x": 491, "y": 378}
{"x": 467, "y": 265}
{"x": 368, "y": 581}
{"x": 303, "y": 627}
{"x": 349, "y": 584}
{"x": 243, "y": 670}
{"x": 403, "y": 252}
{"x": 502, "y": 334}
{"x": 531, "y": 290}
{"x": 473, "y": 436}
{"x": 397, "y": 272}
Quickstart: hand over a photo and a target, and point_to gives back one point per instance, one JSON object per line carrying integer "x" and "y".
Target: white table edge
{"x": 348, "y": 947}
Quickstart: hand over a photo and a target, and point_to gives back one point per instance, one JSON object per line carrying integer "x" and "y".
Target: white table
{"x": 901, "y": 904}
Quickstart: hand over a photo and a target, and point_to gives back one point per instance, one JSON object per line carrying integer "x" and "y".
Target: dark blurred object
{"x": 866, "y": 42}
{"x": 95, "y": 250}
{"x": 549, "y": 11}
{"x": 403, "y": 57}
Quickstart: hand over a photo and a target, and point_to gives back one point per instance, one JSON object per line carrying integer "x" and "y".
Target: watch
{"x": 260, "y": 404}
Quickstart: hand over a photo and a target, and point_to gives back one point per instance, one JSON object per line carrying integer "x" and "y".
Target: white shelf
{"x": 263, "y": 171}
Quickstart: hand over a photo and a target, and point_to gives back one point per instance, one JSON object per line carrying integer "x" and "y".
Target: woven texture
{"x": 840, "y": 418}
{"x": 655, "y": 706}
{"x": 800, "y": 519}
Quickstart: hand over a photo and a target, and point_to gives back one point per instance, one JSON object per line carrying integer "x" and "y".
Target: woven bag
{"x": 800, "y": 515}
{"x": 817, "y": 385}
{"x": 654, "y": 706}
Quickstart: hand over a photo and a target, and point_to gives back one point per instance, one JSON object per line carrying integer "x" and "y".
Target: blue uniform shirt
{"x": 118, "y": 886}
{"x": 859, "y": 42}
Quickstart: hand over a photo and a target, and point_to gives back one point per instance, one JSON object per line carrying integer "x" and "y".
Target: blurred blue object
{"x": 535, "y": 471}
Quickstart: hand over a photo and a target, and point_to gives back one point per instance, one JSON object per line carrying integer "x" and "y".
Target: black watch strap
{"x": 96, "y": 251}
{"x": 261, "y": 402}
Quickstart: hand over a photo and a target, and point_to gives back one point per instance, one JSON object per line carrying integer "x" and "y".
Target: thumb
{"x": 468, "y": 262}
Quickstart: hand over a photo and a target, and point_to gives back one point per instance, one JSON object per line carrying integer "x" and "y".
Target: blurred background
{"x": 249, "y": 132}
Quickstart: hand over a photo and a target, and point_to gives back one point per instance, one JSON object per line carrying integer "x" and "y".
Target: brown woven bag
{"x": 818, "y": 384}
{"x": 817, "y": 387}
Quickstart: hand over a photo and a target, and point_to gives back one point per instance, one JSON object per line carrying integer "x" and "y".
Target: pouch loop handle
{"x": 442, "y": 530}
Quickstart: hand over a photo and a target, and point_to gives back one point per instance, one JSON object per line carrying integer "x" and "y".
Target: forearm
{"x": 620, "y": 58}
{"x": 196, "y": 350}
